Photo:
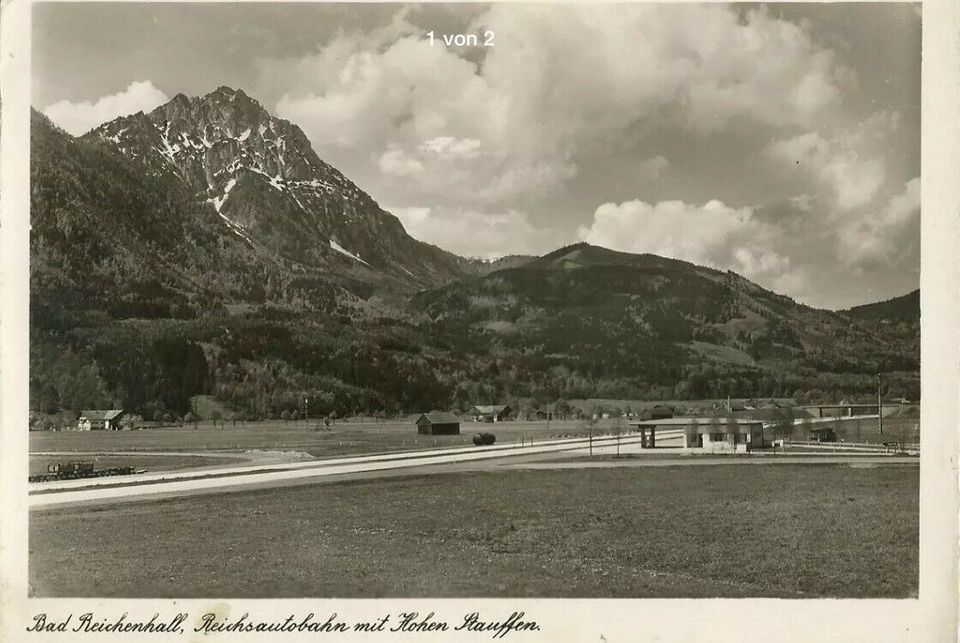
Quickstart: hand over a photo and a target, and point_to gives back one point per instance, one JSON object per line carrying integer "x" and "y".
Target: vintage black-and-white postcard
{"x": 479, "y": 321}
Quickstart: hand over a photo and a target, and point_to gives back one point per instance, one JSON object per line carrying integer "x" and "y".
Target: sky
{"x": 779, "y": 141}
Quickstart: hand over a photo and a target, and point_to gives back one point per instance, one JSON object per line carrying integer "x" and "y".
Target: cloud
{"x": 529, "y": 115}
{"x": 838, "y": 164}
{"x": 490, "y": 144}
{"x": 437, "y": 153}
{"x": 903, "y": 208}
{"x": 889, "y": 237}
{"x": 396, "y": 162}
{"x": 797, "y": 250}
{"x": 477, "y": 234}
{"x": 653, "y": 168}
{"x": 873, "y": 226}
{"x": 713, "y": 234}
{"x": 448, "y": 147}
{"x": 79, "y": 118}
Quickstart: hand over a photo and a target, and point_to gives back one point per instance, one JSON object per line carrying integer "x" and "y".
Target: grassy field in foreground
{"x": 784, "y": 531}
{"x": 342, "y": 438}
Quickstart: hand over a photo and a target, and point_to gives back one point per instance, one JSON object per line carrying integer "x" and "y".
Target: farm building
{"x": 438, "y": 424}
{"x": 658, "y": 412}
{"x": 734, "y": 406}
{"x": 100, "y": 420}
{"x": 823, "y": 434}
{"x": 492, "y": 413}
{"x": 715, "y": 435}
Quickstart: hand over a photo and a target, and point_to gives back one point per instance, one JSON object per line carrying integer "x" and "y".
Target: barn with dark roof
{"x": 438, "y": 424}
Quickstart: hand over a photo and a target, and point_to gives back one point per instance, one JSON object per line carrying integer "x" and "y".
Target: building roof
{"x": 492, "y": 409}
{"x": 821, "y": 429}
{"x": 703, "y": 429}
{"x": 440, "y": 418}
{"x": 111, "y": 414}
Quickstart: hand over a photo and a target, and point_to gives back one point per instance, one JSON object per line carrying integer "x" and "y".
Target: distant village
{"x": 742, "y": 424}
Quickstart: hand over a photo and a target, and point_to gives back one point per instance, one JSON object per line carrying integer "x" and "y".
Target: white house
{"x": 711, "y": 435}
{"x": 100, "y": 420}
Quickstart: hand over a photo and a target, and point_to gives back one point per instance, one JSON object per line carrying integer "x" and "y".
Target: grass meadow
{"x": 812, "y": 530}
{"x": 341, "y": 438}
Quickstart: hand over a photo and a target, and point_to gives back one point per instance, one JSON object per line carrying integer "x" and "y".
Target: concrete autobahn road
{"x": 428, "y": 462}
{"x": 409, "y": 457}
{"x": 168, "y": 484}
{"x": 853, "y": 459}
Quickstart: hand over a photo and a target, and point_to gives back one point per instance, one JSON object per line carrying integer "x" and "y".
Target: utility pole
{"x": 879, "y": 404}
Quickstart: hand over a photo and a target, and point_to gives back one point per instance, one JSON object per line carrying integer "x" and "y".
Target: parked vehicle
{"x": 75, "y": 469}
{"x": 484, "y": 439}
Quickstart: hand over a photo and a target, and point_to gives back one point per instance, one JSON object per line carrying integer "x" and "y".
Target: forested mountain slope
{"x": 205, "y": 248}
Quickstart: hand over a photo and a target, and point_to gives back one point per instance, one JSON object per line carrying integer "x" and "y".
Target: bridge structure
{"x": 842, "y": 410}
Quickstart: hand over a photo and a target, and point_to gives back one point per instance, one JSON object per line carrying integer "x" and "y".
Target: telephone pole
{"x": 879, "y": 404}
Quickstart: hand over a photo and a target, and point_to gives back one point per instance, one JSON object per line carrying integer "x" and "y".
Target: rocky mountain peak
{"x": 262, "y": 177}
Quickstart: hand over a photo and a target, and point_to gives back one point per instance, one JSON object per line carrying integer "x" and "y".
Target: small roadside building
{"x": 108, "y": 420}
{"x": 713, "y": 435}
{"x": 492, "y": 413}
{"x": 823, "y": 434}
{"x": 438, "y": 424}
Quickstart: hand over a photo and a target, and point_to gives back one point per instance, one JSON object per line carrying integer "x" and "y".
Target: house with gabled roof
{"x": 492, "y": 413}
{"x": 438, "y": 424}
{"x": 102, "y": 420}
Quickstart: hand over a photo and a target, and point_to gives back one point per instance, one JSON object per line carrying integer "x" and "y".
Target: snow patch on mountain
{"x": 169, "y": 150}
{"x": 236, "y": 228}
{"x": 115, "y": 139}
{"x": 336, "y": 246}
{"x": 219, "y": 201}
{"x": 318, "y": 184}
{"x": 294, "y": 195}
